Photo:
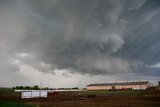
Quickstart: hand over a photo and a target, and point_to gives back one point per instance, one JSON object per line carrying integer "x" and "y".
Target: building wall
{"x": 99, "y": 87}
{"x": 33, "y": 94}
{"x": 134, "y": 87}
{"x": 127, "y": 87}
{"x": 118, "y": 87}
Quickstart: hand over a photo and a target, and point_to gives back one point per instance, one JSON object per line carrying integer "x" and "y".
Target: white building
{"x": 34, "y": 94}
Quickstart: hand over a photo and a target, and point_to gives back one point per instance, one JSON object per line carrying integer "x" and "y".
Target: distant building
{"x": 34, "y": 94}
{"x": 43, "y": 93}
{"x": 140, "y": 85}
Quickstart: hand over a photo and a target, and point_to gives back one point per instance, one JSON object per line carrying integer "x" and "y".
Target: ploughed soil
{"x": 86, "y": 99}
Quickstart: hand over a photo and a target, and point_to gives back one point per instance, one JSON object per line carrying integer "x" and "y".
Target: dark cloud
{"x": 86, "y": 36}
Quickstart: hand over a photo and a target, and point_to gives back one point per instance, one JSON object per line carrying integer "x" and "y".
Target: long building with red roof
{"x": 139, "y": 85}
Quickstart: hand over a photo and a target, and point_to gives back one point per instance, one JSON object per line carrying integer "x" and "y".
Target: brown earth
{"x": 69, "y": 99}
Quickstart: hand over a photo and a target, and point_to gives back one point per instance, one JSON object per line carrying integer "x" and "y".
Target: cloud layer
{"x": 95, "y": 37}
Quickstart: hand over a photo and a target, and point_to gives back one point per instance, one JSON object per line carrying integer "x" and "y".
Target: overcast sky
{"x": 69, "y": 43}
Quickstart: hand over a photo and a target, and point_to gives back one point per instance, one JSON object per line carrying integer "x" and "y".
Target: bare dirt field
{"x": 91, "y": 99}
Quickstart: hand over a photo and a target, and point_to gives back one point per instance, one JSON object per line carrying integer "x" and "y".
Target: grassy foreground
{"x": 4, "y": 103}
{"x": 8, "y": 97}
{"x": 118, "y": 92}
{"x": 101, "y": 98}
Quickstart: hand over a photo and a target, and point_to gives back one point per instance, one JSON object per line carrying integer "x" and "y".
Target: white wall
{"x": 33, "y": 94}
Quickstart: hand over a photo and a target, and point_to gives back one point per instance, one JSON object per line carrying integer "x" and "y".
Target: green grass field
{"x": 6, "y": 90}
{"x": 4, "y": 103}
{"x": 118, "y": 92}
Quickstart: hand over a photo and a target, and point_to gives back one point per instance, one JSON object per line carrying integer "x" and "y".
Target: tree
{"x": 21, "y": 87}
{"x": 35, "y": 87}
{"x": 27, "y": 87}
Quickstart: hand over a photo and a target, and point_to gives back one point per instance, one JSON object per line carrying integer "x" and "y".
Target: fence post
{"x": 75, "y": 104}
{"x": 57, "y": 103}
{"x": 128, "y": 103}
{"x": 98, "y": 104}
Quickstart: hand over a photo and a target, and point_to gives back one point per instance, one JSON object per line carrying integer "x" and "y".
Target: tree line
{"x": 36, "y": 87}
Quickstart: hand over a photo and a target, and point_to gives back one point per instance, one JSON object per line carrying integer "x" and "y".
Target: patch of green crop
{"x": 117, "y": 92}
{"x": 6, "y": 90}
{"x": 4, "y": 103}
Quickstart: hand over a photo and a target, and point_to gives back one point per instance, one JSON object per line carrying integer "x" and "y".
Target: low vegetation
{"x": 101, "y": 98}
{"x": 118, "y": 92}
{"x": 4, "y": 103}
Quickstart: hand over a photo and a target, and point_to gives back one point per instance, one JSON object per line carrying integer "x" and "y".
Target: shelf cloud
{"x": 95, "y": 37}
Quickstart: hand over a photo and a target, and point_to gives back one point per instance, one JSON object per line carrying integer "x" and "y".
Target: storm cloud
{"x": 95, "y": 37}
